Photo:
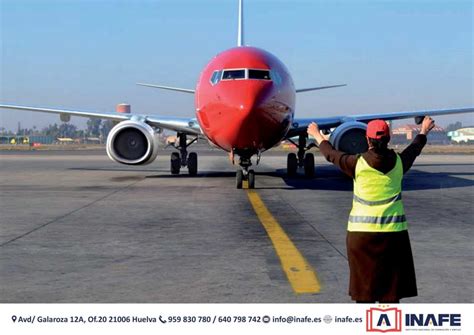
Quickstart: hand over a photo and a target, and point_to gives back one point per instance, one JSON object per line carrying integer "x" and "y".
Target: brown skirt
{"x": 381, "y": 266}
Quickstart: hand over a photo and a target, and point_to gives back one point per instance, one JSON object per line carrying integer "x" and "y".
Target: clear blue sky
{"x": 88, "y": 55}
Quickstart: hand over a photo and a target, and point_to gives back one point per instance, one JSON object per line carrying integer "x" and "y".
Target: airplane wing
{"x": 300, "y": 125}
{"x": 307, "y": 89}
{"x": 182, "y": 125}
{"x": 170, "y": 88}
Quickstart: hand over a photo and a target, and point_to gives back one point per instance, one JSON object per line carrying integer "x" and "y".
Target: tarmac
{"x": 77, "y": 227}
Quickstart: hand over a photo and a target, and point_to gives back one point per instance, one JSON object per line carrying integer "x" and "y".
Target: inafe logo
{"x": 384, "y": 320}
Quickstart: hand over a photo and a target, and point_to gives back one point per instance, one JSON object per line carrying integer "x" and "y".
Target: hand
{"x": 426, "y": 126}
{"x": 313, "y": 130}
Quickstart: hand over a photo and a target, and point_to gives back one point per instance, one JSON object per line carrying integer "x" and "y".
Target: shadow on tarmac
{"x": 329, "y": 178}
{"x": 117, "y": 169}
{"x": 203, "y": 174}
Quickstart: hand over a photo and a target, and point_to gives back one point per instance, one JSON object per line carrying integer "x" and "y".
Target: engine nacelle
{"x": 350, "y": 137}
{"x": 133, "y": 143}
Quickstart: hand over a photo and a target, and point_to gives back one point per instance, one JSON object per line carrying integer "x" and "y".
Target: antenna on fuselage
{"x": 240, "y": 33}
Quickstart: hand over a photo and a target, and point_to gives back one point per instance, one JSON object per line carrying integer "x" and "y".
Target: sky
{"x": 88, "y": 55}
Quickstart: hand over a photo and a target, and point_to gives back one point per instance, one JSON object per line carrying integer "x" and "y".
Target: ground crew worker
{"x": 378, "y": 246}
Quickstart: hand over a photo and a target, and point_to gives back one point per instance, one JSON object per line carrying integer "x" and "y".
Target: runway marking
{"x": 300, "y": 274}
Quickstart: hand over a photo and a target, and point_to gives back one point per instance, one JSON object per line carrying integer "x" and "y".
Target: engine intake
{"x": 133, "y": 143}
{"x": 350, "y": 137}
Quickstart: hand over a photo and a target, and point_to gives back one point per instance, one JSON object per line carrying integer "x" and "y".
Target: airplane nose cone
{"x": 248, "y": 114}
{"x": 244, "y": 116}
{"x": 249, "y": 98}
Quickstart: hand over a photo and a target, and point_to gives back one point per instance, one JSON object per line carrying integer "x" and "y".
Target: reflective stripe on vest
{"x": 377, "y": 220}
{"x": 377, "y": 203}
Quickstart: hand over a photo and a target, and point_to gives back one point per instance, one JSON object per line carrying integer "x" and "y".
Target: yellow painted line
{"x": 300, "y": 274}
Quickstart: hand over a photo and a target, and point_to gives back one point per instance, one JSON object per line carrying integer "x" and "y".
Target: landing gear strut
{"x": 301, "y": 159}
{"x": 244, "y": 173}
{"x": 182, "y": 158}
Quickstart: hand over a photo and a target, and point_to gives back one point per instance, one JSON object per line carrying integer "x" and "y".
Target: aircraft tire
{"x": 239, "y": 177}
{"x": 309, "y": 165}
{"x": 193, "y": 164}
{"x": 291, "y": 164}
{"x": 175, "y": 163}
{"x": 251, "y": 179}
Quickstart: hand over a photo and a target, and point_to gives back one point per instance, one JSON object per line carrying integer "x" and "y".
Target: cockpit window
{"x": 259, "y": 74}
{"x": 216, "y": 77}
{"x": 233, "y": 74}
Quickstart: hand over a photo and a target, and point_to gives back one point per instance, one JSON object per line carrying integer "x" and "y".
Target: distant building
{"x": 463, "y": 135}
{"x": 408, "y": 132}
{"x": 65, "y": 140}
{"x": 14, "y": 139}
{"x": 41, "y": 139}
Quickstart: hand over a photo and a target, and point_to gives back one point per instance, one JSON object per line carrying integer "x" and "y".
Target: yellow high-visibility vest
{"x": 377, "y": 204}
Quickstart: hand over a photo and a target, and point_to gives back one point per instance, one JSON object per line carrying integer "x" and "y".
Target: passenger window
{"x": 259, "y": 74}
{"x": 233, "y": 74}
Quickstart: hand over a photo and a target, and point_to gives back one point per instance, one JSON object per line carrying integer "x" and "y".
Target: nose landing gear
{"x": 244, "y": 173}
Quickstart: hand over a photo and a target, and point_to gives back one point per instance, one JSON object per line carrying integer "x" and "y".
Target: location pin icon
{"x": 14, "y": 318}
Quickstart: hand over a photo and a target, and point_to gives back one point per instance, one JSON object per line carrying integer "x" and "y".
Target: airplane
{"x": 245, "y": 105}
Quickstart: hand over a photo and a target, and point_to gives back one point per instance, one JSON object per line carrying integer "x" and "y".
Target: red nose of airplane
{"x": 246, "y": 108}
{"x": 245, "y": 100}
{"x": 244, "y": 96}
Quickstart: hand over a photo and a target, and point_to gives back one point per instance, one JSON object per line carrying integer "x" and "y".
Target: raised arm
{"x": 410, "y": 153}
{"x": 342, "y": 160}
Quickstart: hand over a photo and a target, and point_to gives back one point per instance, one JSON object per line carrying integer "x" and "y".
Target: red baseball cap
{"x": 377, "y": 129}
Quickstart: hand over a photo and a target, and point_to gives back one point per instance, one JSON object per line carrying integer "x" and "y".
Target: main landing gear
{"x": 301, "y": 159}
{"x": 182, "y": 159}
{"x": 244, "y": 173}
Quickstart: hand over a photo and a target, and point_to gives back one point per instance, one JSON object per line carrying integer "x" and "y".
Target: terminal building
{"x": 26, "y": 139}
{"x": 463, "y": 135}
{"x": 407, "y": 133}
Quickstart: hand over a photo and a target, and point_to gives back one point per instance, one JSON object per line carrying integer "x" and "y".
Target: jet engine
{"x": 350, "y": 137}
{"x": 133, "y": 143}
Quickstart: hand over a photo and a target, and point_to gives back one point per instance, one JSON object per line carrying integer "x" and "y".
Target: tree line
{"x": 95, "y": 128}
{"x": 98, "y": 128}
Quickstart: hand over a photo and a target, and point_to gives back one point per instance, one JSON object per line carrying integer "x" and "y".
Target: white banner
{"x": 236, "y": 318}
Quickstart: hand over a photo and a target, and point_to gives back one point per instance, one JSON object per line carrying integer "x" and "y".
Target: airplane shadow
{"x": 203, "y": 174}
{"x": 118, "y": 169}
{"x": 329, "y": 178}
{"x": 446, "y": 164}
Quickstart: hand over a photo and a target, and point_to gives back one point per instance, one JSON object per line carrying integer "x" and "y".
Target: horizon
{"x": 80, "y": 55}
{"x": 395, "y": 125}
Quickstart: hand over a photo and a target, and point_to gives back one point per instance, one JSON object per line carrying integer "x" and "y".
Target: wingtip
{"x": 300, "y": 90}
